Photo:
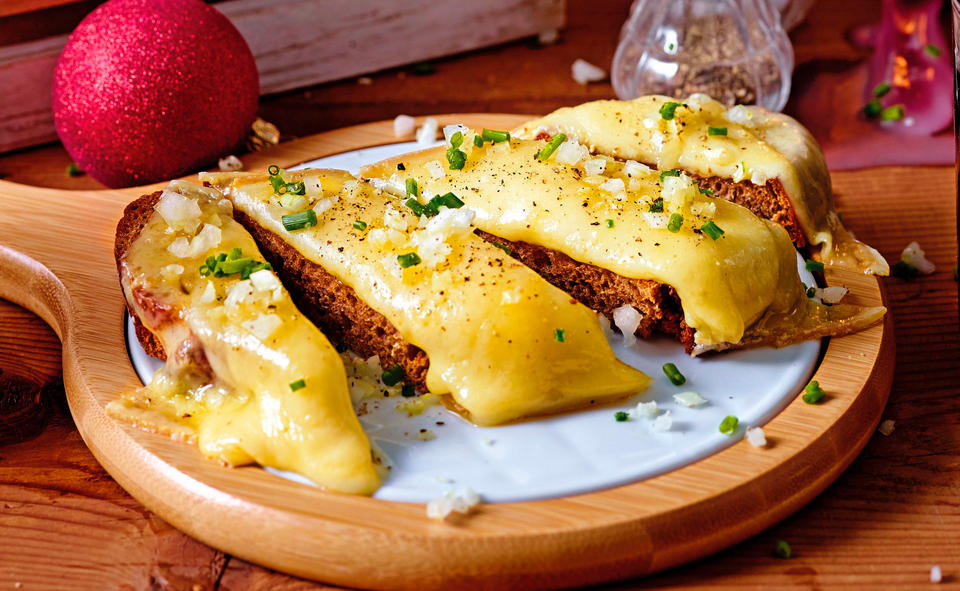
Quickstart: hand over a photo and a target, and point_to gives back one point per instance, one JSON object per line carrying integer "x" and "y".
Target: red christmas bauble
{"x": 148, "y": 90}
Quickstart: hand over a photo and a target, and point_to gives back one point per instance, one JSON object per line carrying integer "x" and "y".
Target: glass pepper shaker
{"x": 733, "y": 50}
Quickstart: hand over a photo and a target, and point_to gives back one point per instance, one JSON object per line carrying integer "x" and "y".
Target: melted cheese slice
{"x": 234, "y": 347}
{"x": 759, "y": 145}
{"x": 502, "y": 341}
{"x": 738, "y": 289}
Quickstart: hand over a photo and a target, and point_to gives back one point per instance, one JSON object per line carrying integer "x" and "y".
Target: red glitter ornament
{"x": 148, "y": 90}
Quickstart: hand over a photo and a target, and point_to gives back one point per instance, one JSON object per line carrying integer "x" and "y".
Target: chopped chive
{"x": 478, "y": 141}
{"x": 814, "y": 266}
{"x": 276, "y": 181}
{"x": 456, "y": 158}
{"x": 492, "y": 135}
{"x": 450, "y": 200}
{"x": 782, "y": 550}
{"x": 609, "y": 223}
{"x": 559, "y": 335}
{"x": 705, "y": 191}
{"x": 408, "y": 390}
{"x": 813, "y": 393}
{"x": 73, "y": 169}
{"x": 621, "y": 417}
{"x": 729, "y": 424}
{"x": 671, "y": 172}
{"x": 299, "y": 221}
{"x": 811, "y": 291}
{"x": 296, "y": 188}
{"x": 712, "y": 230}
{"x": 668, "y": 110}
{"x": 503, "y": 247}
{"x": 551, "y": 146}
{"x": 273, "y": 169}
{"x": 299, "y": 384}
{"x": 893, "y": 113}
{"x": 414, "y": 206}
{"x": 881, "y": 89}
{"x": 657, "y": 205}
{"x": 716, "y": 131}
{"x": 412, "y": 188}
{"x": 932, "y": 50}
{"x": 392, "y": 376}
{"x": 235, "y": 253}
{"x": 409, "y": 259}
{"x": 231, "y": 266}
{"x": 676, "y": 221}
{"x": 456, "y": 140}
{"x": 360, "y": 225}
{"x": 872, "y": 109}
{"x": 676, "y": 378}
{"x": 904, "y": 270}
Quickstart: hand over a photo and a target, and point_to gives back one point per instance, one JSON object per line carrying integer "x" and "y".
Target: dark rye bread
{"x": 330, "y": 304}
{"x": 605, "y": 291}
{"x": 769, "y": 201}
{"x": 335, "y": 307}
{"x": 135, "y": 217}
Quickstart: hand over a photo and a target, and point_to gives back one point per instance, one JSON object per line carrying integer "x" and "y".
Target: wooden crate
{"x": 296, "y": 43}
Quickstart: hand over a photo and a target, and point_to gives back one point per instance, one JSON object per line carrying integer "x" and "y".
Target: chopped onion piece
{"x": 663, "y": 422}
{"x": 230, "y": 164}
{"x": 548, "y": 37}
{"x": 914, "y": 255}
{"x": 756, "y": 437}
{"x": 830, "y": 295}
{"x": 689, "y": 399}
{"x": 648, "y": 409}
{"x": 584, "y": 72}
{"x": 936, "y": 574}
{"x": 627, "y": 319}
{"x": 451, "y": 501}
{"x": 427, "y": 134}
{"x": 632, "y": 168}
{"x": 595, "y": 166}
{"x": 571, "y": 152}
{"x": 403, "y": 125}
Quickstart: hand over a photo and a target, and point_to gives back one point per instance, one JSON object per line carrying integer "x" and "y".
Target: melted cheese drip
{"x": 255, "y": 345}
{"x": 759, "y": 145}
{"x": 487, "y": 323}
{"x": 725, "y": 285}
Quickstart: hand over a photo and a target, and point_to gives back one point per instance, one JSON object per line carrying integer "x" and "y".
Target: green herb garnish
{"x": 559, "y": 335}
{"x": 729, "y": 424}
{"x": 392, "y": 376}
{"x": 621, "y": 417}
{"x": 893, "y": 113}
{"x": 881, "y": 89}
{"x": 299, "y": 384}
{"x": 814, "y": 266}
{"x": 360, "y": 225}
{"x": 503, "y": 247}
{"x": 782, "y": 550}
{"x": 478, "y": 141}
{"x": 904, "y": 270}
{"x": 73, "y": 169}
{"x": 932, "y": 50}
{"x": 656, "y": 206}
{"x": 712, "y": 230}
{"x": 705, "y": 191}
{"x": 412, "y": 188}
{"x": 716, "y": 131}
{"x": 676, "y": 378}
{"x": 676, "y": 221}
{"x": 872, "y": 109}
{"x": 551, "y": 147}
{"x": 813, "y": 393}
{"x": 408, "y": 390}
{"x": 671, "y": 172}
{"x": 492, "y": 135}
{"x": 408, "y": 260}
{"x": 457, "y": 159}
{"x": 811, "y": 291}
{"x": 668, "y": 110}
{"x": 608, "y": 223}
{"x": 299, "y": 221}
{"x": 414, "y": 206}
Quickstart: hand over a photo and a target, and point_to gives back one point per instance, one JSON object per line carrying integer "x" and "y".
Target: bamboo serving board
{"x": 56, "y": 259}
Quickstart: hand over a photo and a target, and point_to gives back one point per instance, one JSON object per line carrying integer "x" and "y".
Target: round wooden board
{"x": 56, "y": 259}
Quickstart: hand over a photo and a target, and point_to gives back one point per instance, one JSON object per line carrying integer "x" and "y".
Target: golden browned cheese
{"x": 756, "y": 145}
{"x": 503, "y": 342}
{"x": 736, "y": 288}
{"x": 247, "y": 376}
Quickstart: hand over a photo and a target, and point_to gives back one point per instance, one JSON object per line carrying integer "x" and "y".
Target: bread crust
{"x": 135, "y": 216}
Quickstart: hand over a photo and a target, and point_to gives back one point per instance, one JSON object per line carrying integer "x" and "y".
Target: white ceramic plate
{"x": 577, "y": 452}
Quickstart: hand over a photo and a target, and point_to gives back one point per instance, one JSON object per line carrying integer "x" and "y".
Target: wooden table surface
{"x": 64, "y": 523}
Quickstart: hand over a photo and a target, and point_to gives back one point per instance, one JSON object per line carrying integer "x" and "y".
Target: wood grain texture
{"x": 627, "y": 531}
